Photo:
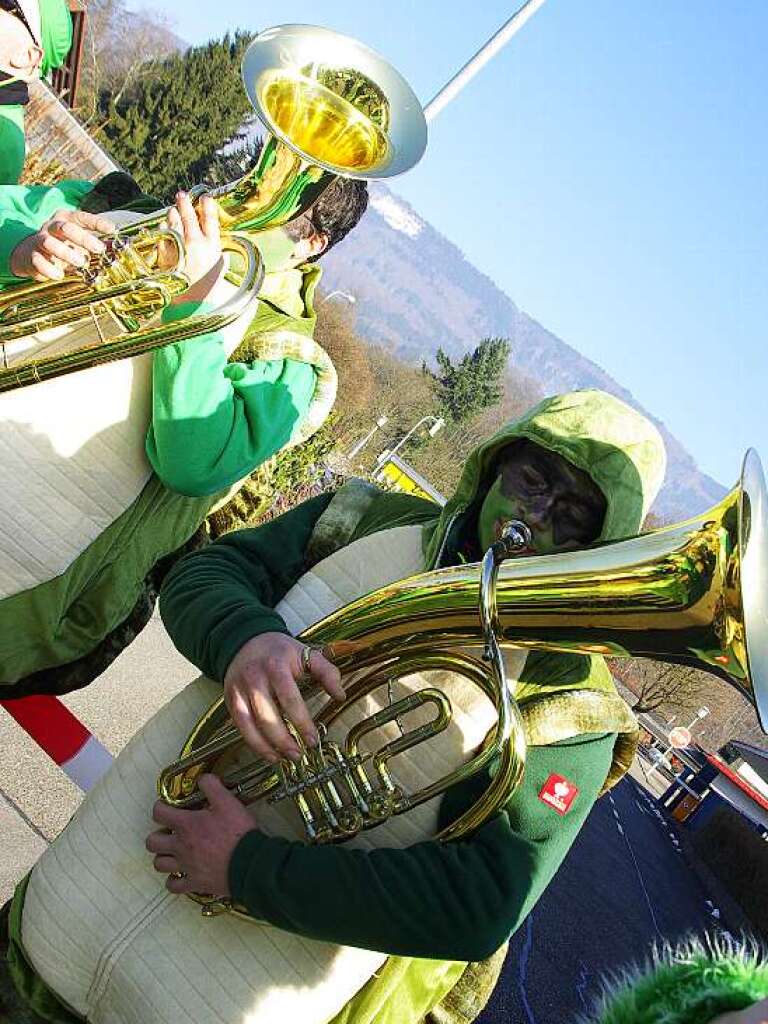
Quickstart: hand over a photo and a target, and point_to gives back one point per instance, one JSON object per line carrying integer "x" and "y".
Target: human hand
{"x": 64, "y": 242}
{"x": 194, "y": 848}
{"x": 199, "y": 227}
{"x": 260, "y": 687}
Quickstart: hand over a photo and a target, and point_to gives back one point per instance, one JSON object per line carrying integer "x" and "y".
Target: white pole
{"x": 380, "y": 422}
{"x": 452, "y": 88}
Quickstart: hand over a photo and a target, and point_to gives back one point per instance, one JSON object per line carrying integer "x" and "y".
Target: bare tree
{"x": 335, "y": 332}
{"x": 656, "y": 684}
{"x": 120, "y": 46}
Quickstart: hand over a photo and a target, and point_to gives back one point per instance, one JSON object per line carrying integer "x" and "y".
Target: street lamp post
{"x": 346, "y": 295}
{"x": 380, "y": 422}
{"x": 701, "y": 713}
{"x": 452, "y": 88}
{"x": 437, "y": 424}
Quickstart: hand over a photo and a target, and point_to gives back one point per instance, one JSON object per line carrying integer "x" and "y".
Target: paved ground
{"x": 626, "y": 884}
{"x": 36, "y": 798}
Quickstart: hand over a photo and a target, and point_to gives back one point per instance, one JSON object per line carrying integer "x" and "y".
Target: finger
{"x": 167, "y": 253}
{"x": 93, "y": 222}
{"x": 271, "y": 725}
{"x": 69, "y": 254}
{"x": 215, "y": 792}
{"x": 208, "y": 213}
{"x": 45, "y": 269}
{"x": 178, "y": 885}
{"x": 162, "y": 841}
{"x": 242, "y": 716}
{"x": 188, "y": 216}
{"x": 174, "y": 220}
{"x": 165, "y": 864}
{"x": 171, "y": 817}
{"x": 326, "y": 673}
{"x": 78, "y": 235}
{"x": 293, "y": 707}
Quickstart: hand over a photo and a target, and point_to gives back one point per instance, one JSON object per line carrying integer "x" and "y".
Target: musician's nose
{"x": 539, "y": 512}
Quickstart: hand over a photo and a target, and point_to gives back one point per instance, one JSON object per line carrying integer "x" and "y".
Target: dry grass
{"x": 63, "y": 157}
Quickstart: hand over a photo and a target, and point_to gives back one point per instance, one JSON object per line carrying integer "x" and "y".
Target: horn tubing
{"x": 670, "y": 594}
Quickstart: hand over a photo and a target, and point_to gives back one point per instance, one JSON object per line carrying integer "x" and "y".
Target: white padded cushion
{"x": 72, "y": 456}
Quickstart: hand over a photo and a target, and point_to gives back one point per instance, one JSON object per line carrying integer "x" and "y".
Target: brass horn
{"x": 695, "y": 593}
{"x": 332, "y": 108}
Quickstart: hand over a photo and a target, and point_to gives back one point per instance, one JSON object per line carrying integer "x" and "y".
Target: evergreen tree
{"x": 476, "y": 382}
{"x": 167, "y": 130}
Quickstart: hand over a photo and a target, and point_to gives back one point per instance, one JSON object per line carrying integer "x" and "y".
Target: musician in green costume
{"x": 578, "y": 468}
{"x": 212, "y": 420}
{"x": 35, "y": 38}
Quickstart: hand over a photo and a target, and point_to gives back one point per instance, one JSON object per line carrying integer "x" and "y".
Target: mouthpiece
{"x": 515, "y": 536}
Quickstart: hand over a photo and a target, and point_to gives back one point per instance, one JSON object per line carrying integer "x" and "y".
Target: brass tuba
{"x": 695, "y": 593}
{"x": 332, "y": 108}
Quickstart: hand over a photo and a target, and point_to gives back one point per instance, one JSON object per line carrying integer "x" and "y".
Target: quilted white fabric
{"x": 72, "y": 455}
{"x": 103, "y": 932}
{"x": 71, "y": 461}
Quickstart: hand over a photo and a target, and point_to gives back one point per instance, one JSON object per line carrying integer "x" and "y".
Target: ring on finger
{"x": 178, "y": 874}
{"x": 306, "y": 660}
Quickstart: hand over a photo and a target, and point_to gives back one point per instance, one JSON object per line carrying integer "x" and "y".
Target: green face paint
{"x": 560, "y": 504}
{"x": 277, "y": 250}
{"x": 496, "y": 510}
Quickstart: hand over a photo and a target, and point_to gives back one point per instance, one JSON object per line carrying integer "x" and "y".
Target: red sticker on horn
{"x": 559, "y": 793}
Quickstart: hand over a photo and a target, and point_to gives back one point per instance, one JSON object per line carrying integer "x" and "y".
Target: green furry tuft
{"x": 687, "y": 984}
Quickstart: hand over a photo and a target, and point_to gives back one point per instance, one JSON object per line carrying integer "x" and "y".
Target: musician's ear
{"x": 309, "y": 247}
{"x": 318, "y": 243}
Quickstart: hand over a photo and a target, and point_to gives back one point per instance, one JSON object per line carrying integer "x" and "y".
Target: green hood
{"x": 618, "y": 447}
{"x": 56, "y": 26}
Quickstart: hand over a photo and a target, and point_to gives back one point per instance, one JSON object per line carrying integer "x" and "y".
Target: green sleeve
{"x": 24, "y": 208}
{"x": 216, "y": 599}
{"x": 12, "y": 149}
{"x": 453, "y": 901}
{"x": 213, "y": 422}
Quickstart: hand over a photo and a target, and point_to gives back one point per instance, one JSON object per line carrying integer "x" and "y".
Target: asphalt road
{"x": 36, "y": 798}
{"x": 626, "y": 884}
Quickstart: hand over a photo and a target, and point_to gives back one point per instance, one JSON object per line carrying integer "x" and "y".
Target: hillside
{"x": 415, "y": 291}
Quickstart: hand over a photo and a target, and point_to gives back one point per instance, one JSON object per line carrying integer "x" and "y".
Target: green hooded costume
{"x": 213, "y": 422}
{"x": 441, "y": 912}
{"x": 56, "y": 40}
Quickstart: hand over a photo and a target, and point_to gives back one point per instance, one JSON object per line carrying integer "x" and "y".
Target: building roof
{"x": 756, "y": 757}
{"x": 737, "y": 780}
{"x": 56, "y": 135}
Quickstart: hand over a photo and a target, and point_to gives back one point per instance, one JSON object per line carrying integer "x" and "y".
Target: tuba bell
{"x": 695, "y": 593}
{"x": 332, "y": 108}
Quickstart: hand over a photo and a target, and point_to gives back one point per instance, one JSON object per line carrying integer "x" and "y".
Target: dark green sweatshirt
{"x": 454, "y": 901}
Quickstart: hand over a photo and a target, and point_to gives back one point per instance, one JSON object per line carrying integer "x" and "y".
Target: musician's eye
{"x": 578, "y": 517}
{"x": 532, "y": 479}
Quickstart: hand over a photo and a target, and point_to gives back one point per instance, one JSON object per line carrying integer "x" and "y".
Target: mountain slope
{"x": 416, "y": 292}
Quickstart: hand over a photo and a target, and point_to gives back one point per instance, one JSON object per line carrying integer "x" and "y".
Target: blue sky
{"x": 608, "y": 171}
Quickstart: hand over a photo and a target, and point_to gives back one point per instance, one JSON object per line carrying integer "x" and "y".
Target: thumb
{"x": 215, "y": 792}
{"x": 326, "y": 673}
